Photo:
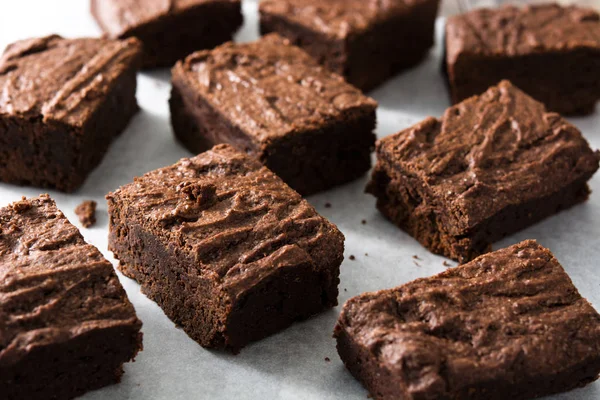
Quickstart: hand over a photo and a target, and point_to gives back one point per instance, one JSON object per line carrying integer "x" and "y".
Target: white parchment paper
{"x": 291, "y": 364}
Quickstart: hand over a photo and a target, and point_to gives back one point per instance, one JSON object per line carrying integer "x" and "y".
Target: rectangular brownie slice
{"x": 492, "y": 165}
{"x": 226, "y": 249}
{"x": 508, "y": 325}
{"x": 550, "y": 52}
{"x": 169, "y": 30}
{"x": 66, "y": 325}
{"x": 62, "y": 103}
{"x": 367, "y": 42}
{"x": 272, "y": 101}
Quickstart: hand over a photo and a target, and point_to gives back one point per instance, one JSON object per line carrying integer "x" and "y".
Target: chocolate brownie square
{"x": 550, "y": 52}
{"x": 62, "y": 103}
{"x": 66, "y": 325}
{"x": 492, "y": 165}
{"x": 508, "y": 325}
{"x": 226, "y": 249}
{"x": 169, "y": 30}
{"x": 272, "y": 101}
{"x": 367, "y": 42}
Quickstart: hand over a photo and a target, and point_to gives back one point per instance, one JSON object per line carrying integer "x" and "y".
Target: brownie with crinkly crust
{"x": 225, "y": 247}
{"x": 62, "y": 103}
{"x": 273, "y": 101}
{"x": 66, "y": 325}
{"x": 492, "y": 165}
{"x": 366, "y": 41}
{"x": 508, "y": 325}
{"x": 550, "y": 52}
{"x": 169, "y": 29}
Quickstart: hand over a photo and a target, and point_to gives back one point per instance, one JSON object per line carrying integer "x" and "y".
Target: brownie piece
{"x": 492, "y": 165}
{"x": 62, "y": 103}
{"x": 508, "y": 325}
{"x": 66, "y": 325}
{"x": 272, "y": 101}
{"x": 86, "y": 212}
{"x": 226, "y": 249}
{"x": 550, "y": 52}
{"x": 172, "y": 29}
{"x": 365, "y": 41}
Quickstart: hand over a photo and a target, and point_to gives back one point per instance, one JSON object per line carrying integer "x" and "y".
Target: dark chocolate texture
{"x": 271, "y": 100}
{"x": 366, "y": 41}
{"x": 169, "y": 29}
{"x": 62, "y": 102}
{"x": 508, "y": 325}
{"x": 229, "y": 251}
{"x": 492, "y": 165}
{"x": 86, "y": 212}
{"x": 66, "y": 325}
{"x": 550, "y": 52}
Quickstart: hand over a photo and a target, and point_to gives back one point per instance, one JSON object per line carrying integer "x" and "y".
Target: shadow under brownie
{"x": 273, "y": 101}
{"x": 66, "y": 324}
{"x": 226, "y": 249}
{"x": 508, "y": 325}
{"x": 492, "y": 165}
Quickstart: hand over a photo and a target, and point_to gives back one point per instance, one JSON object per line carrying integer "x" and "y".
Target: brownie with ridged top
{"x": 549, "y": 51}
{"x": 507, "y": 325}
{"x": 273, "y": 101}
{"x": 225, "y": 247}
{"x": 66, "y": 325}
{"x": 492, "y": 165}
{"x": 62, "y": 103}
{"x": 366, "y": 41}
{"x": 169, "y": 29}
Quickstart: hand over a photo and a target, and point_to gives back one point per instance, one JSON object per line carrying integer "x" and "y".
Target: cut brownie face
{"x": 550, "y": 52}
{"x": 62, "y": 103}
{"x": 365, "y": 41}
{"x": 272, "y": 101}
{"x": 228, "y": 250}
{"x": 492, "y": 165}
{"x": 508, "y": 325}
{"x": 169, "y": 29}
{"x": 66, "y": 325}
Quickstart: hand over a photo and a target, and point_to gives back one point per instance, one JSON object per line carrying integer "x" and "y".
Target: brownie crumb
{"x": 366, "y": 254}
{"x": 327, "y": 205}
{"x": 327, "y": 359}
{"x": 352, "y": 257}
{"x": 446, "y": 264}
{"x": 364, "y": 222}
{"x": 345, "y": 290}
{"x": 86, "y": 212}
{"x": 417, "y": 264}
{"x": 416, "y": 257}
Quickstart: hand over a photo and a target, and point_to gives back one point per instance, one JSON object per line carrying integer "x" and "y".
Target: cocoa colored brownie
{"x": 550, "y": 52}
{"x": 492, "y": 165}
{"x": 66, "y": 325}
{"x": 169, "y": 29}
{"x": 272, "y": 101}
{"x": 62, "y": 103}
{"x": 508, "y": 325}
{"x": 226, "y": 249}
{"x": 365, "y": 41}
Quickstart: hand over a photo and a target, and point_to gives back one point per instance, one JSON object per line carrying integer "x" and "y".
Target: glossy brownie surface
{"x": 231, "y": 231}
{"x": 509, "y": 324}
{"x": 60, "y": 302}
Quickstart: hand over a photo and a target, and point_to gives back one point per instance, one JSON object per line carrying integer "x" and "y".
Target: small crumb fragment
{"x": 352, "y": 257}
{"x": 327, "y": 359}
{"x": 327, "y": 205}
{"x": 416, "y": 257}
{"x": 366, "y": 254}
{"x": 86, "y": 212}
{"x": 364, "y": 222}
{"x": 345, "y": 290}
{"x": 446, "y": 264}
{"x": 417, "y": 264}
